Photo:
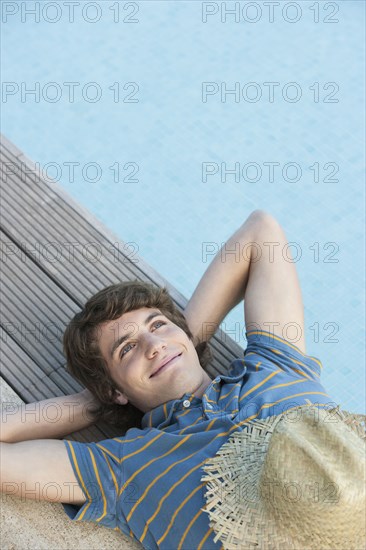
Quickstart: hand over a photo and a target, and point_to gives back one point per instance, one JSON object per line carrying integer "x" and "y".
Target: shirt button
{"x": 186, "y": 403}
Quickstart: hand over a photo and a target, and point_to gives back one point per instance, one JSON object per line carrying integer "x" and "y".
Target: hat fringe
{"x": 355, "y": 421}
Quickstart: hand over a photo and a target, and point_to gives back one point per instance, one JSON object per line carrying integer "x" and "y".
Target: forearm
{"x": 52, "y": 418}
{"x": 224, "y": 282}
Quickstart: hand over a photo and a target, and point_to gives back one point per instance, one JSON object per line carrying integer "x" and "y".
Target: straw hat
{"x": 292, "y": 481}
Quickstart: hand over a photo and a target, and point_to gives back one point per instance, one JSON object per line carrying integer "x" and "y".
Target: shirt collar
{"x": 164, "y": 415}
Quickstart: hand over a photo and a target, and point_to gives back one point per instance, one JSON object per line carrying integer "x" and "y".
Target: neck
{"x": 206, "y": 381}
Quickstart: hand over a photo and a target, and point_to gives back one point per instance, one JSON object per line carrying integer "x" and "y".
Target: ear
{"x": 120, "y": 399}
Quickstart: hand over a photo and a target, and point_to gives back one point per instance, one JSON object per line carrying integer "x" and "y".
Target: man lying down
{"x": 260, "y": 457}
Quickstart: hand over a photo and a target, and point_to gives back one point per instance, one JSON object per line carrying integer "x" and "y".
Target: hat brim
{"x": 238, "y": 513}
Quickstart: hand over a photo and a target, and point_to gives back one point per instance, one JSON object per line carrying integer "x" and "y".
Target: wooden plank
{"x": 10, "y": 146}
{"x": 23, "y": 374}
{"x": 35, "y": 311}
{"x": 67, "y": 224}
{"x": 65, "y": 381}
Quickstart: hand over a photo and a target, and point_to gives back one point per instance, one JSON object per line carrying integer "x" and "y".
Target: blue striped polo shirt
{"x": 147, "y": 484}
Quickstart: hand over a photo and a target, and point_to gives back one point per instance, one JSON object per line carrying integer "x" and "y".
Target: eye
{"x": 159, "y": 322}
{"x": 123, "y": 350}
{"x": 122, "y": 354}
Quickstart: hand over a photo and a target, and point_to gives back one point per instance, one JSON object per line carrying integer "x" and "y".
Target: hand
{"x": 90, "y": 403}
{"x": 87, "y": 396}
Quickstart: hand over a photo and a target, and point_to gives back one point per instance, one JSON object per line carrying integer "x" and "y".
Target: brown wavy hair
{"x": 81, "y": 347}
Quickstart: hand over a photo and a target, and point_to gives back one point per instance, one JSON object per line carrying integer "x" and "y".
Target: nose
{"x": 154, "y": 344}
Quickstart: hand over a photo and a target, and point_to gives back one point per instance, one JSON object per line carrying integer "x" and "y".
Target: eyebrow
{"x": 121, "y": 339}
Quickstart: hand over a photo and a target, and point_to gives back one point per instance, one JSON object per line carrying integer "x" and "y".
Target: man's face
{"x": 135, "y": 346}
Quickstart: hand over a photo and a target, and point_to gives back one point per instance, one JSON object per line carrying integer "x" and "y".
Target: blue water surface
{"x": 171, "y": 130}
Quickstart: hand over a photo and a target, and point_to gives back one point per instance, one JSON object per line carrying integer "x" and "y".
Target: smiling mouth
{"x": 166, "y": 365}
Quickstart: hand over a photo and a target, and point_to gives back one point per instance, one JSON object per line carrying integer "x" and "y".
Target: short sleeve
{"x": 282, "y": 353}
{"x": 97, "y": 467}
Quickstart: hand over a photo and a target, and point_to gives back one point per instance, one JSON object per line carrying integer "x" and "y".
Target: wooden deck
{"x": 46, "y": 280}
